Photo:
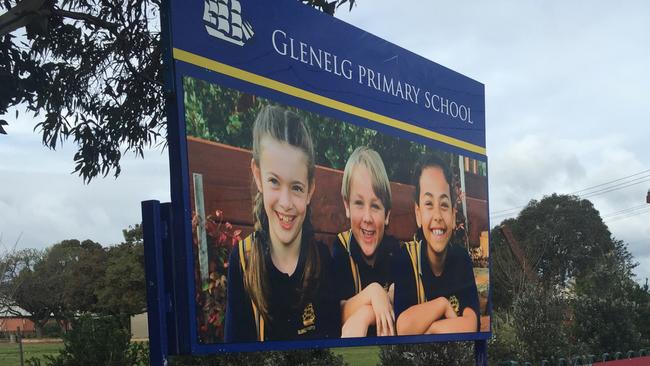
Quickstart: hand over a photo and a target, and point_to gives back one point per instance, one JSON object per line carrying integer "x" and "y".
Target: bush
{"x": 97, "y": 341}
{"x": 52, "y": 329}
{"x": 606, "y": 324}
{"x": 504, "y": 344}
{"x": 139, "y": 353}
{"x": 539, "y": 319}
{"x": 317, "y": 357}
{"x": 457, "y": 353}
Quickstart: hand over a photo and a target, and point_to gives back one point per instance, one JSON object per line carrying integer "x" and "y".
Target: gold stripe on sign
{"x": 319, "y": 99}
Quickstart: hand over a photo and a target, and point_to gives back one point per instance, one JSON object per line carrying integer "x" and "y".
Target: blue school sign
{"x": 292, "y": 54}
{"x": 319, "y": 60}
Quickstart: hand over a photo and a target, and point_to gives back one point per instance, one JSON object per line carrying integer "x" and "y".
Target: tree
{"x": 540, "y": 317}
{"x": 133, "y": 235}
{"x": 35, "y": 296}
{"x": 640, "y": 295}
{"x": 609, "y": 306}
{"x": 23, "y": 288}
{"x": 83, "y": 275}
{"x": 71, "y": 270}
{"x": 11, "y": 264}
{"x": 122, "y": 290}
{"x": 58, "y": 282}
{"x": 91, "y": 71}
{"x": 562, "y": 237}
{"x": 582, "y": 297}
{"x": 94, "y": 75}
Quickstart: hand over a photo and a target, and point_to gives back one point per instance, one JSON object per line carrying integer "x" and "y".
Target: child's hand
{"x": 381, "y": 305}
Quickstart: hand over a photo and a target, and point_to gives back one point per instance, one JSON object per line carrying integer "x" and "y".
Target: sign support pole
{"x": 153, "y": 232}
{"x": 480, "y": 353}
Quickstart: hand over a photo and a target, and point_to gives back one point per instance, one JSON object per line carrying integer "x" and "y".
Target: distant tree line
{"x": 72, "y": 278}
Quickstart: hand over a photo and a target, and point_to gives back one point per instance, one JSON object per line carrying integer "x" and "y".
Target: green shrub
{"x": 97, "y": 341}
{"x": 452, "y": 354}
{"x": 540, "y": 319}
{"x": 317, "y": 357}
{"x": 52, "y": 330}
{"x": 504, "y": 344}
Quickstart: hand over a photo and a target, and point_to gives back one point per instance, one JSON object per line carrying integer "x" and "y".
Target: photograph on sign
{"x": 307, "y": 227}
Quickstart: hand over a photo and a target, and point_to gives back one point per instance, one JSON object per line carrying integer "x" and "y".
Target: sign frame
{"x": 170, "y": 267}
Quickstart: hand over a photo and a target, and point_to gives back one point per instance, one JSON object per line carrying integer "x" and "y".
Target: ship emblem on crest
{"x": 223, "y": 20}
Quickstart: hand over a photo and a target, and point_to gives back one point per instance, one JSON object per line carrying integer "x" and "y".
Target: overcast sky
{"x": 567, "y": 99}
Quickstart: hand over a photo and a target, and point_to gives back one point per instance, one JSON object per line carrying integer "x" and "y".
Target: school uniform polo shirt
{"x": 456, "y": 283}
{"x": 316, "y": 318}
{"x": 381, "y": 272}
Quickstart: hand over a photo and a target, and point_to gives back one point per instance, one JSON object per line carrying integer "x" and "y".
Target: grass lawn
{"x": 9, "y": 355}
{"x": 359, "y": 356}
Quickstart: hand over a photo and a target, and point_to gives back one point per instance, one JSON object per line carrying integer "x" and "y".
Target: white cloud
{"x": 41, "y": 203}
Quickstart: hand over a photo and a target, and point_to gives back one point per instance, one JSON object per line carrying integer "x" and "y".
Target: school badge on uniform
{"x": 453, "y": 301}
{"x": 308, "y": 319}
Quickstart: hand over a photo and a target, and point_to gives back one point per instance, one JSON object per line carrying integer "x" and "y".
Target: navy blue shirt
{"x": 317, "y": 317}
{"x": 381, "y": 272}
{"x": 456, "y": 283}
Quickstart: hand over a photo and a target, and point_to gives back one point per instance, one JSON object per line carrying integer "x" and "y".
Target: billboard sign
{"x": 329, "y": 188}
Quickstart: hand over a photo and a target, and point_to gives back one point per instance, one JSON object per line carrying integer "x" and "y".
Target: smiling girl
{"x": 279, "y": 276}
{"x": 435, "y": 292}
{"x": 363, "y": 255}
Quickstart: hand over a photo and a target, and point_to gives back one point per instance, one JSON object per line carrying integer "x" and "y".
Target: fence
{"x": 629, "y": 358}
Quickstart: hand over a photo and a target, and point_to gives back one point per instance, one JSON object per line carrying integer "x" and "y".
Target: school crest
{"x": 308, "y": 319}
{"x": 453, "y": 301}
{"x": 223, "y": 19}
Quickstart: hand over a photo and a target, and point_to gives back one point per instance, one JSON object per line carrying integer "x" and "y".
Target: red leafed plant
{"x": 211, "y": 293}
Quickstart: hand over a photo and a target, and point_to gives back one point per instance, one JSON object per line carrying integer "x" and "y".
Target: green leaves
{"x": 328, "y": 7}
{"x": 121, "y": 291}
{"x": 96, "y": 340}
{"x": 97, "y": 75}
{"x": 74, "y": 277}
{"x": 234, "y": 124}
{"x": 586, "y": 300}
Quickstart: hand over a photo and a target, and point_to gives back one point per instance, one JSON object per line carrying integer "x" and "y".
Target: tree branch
{"x": 112, "y": 27}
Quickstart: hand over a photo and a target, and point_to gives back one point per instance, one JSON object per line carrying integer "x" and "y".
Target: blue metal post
{"x": 153, "y": 231}
{"x": 480, "y": 353}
